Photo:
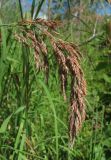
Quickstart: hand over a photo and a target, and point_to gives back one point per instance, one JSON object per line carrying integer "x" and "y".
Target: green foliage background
{"x": 33, "y": 116}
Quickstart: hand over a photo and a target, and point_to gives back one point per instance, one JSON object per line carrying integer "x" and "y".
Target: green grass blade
{"x": 21, "y": 11}
{"x": 3, "y": 53}
{"x": 21, "y": 156}
{"x": 32, "y": 8}
{"x": 20, "y": 109}
{"x": 39, "y": 8}
{"x": 4, "y": 125}
{"x": 18, "y": 138}
{"x": 55, "y": 116}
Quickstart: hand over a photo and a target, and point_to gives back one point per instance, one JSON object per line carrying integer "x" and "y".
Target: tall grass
{"x": 21, "y": 77}
{"x": 34, "y": 115}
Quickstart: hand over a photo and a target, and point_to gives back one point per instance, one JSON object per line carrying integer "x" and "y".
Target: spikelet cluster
{"x": 68, "y": 64}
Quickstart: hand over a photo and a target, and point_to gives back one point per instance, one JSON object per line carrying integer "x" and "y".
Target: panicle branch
{"x": 68, "y": 60}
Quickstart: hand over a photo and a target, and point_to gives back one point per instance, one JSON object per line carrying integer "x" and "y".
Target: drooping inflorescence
{"x": 68, "y": 64}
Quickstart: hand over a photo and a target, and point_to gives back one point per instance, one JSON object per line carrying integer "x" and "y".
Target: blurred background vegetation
{"x": 40, "y": 131}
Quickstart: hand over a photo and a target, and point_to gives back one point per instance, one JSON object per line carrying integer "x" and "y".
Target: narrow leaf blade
{"x": 39, "y": 8}
{"x": 32, "y": 8}
{"x": 5, "y": 124}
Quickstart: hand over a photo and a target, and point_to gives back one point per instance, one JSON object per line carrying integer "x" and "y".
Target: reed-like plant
{"x": 16, "y": 84}
{"x": 33, "y": 34}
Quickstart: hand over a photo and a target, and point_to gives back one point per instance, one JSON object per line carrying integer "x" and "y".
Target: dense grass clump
{"x": 34, "y": 40}
{"x": 42, "y": 87}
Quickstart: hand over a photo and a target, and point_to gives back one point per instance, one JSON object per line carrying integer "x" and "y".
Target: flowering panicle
{"x": 68, "y": 60}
